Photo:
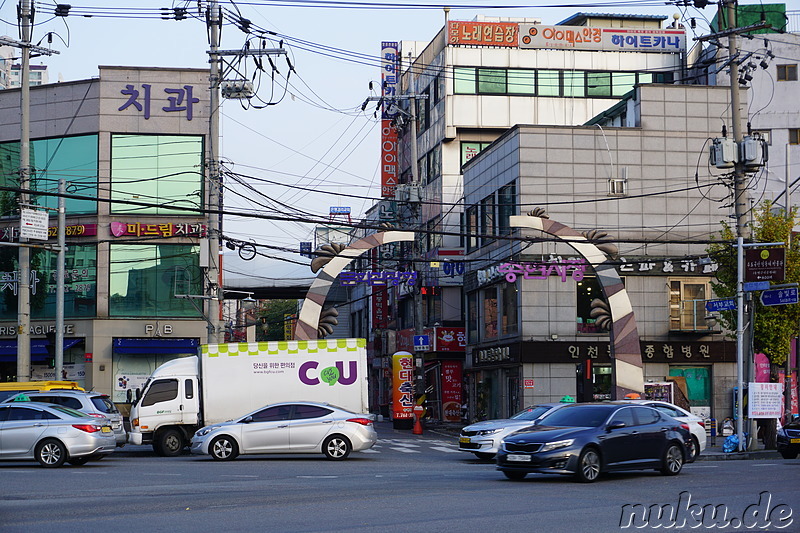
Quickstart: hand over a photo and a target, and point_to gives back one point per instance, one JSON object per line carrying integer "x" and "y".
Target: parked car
{"x": 296, "y": 427}
{"x": 789, "y": 439}
{"x": 588, "y": 439}
{"x": 484, "y": 438}
{"x": 92, "y": 403}
{"x": 52, "y": 434}
{"x": 696, "y": 424}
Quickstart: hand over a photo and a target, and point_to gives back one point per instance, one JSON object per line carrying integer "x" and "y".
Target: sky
{"x": 313, "y": 148}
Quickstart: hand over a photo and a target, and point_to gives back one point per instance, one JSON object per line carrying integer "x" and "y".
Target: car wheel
{"x": 171, "y": 443}
{"x": 336, "y": 447}
{"x": 483, "y": 455}
{"x": 786, "y": 454}
{"x": 79, "y": 461}
{"x": 589, "y": 466}
{"x": 51, "y": 453}
{"x": 673, "y": 460}
{"x": 223, "y": 448}
{"x": 515, "y": 476}
{"x": 695, "y": 450}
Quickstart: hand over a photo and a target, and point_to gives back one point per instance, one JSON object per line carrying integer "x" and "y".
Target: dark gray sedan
{"x": 52, "y": 434}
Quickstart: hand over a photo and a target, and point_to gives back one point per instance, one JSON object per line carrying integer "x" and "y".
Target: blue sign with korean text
{"x": 422, "y": 342}
{"x": 780, "y": 296}
{"x": 727, "y": 304}
{"x": 755, "y": 285}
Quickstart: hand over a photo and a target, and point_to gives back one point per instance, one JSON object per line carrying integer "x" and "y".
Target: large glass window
{"x": 491, "y": 81}
{"x": 165, "y": 171}
{"x": 154, "y": 280}
{"x": 472, "y": 317}
{"x": 508, "y": 324}
{"x": 506, "y": 208}
{"x": 622, "y": 82}
{"x": 80, "y": 282}
{"x": 464, "y": 80}
{"x": 598, "y": 84}
{"x": 71, "y": 158}
{"x": 487, "y": 219}
{"x": 470, "y": 150}
{"x": 574, "y": 83}
{"x": 489, "y": 314}
{"x": 472, "y": 228}
{"x": 548, "y": 83}
{"x": 687, "y": 300}
{"x": 522, "y": 81}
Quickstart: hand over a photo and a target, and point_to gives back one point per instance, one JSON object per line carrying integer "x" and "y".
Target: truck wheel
{"x": 51, "y": 453}
{"x": 336, "y": 447}
{"x": 171, "y": 443}
{"x": 223, "y": 448}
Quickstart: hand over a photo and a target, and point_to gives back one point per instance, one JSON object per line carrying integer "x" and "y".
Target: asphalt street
{"x": 406, "y": 483}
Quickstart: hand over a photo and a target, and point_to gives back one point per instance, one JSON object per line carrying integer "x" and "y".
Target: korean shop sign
{"x": 764, "y": 264}
{"x": 589, "y": 38}
{"x": 144, "y": 98}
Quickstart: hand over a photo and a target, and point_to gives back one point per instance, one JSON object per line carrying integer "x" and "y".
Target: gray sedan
{"x": 52, "y": 434}
{"x": 484, "y": 438}
{"x": 296, "y": 427}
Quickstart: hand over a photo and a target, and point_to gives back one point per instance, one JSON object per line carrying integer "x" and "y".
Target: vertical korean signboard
{"x": 389, "y": 79}
{"x": 402, "y": 386}
{"x": 380, "y": 300}
{"x": 451, "y": 391}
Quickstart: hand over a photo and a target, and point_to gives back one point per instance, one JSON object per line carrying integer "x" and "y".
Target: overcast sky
{"x": 315, "y": 136}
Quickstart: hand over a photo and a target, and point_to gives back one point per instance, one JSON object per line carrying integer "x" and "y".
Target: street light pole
{"x": 214, "y": 185}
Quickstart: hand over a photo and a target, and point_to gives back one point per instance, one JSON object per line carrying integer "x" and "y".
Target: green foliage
{"x": 273, "y": 316}
{"x": 773, "y": 326}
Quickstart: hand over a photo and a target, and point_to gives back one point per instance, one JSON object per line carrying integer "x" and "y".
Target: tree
{"x": 273, "y": 317}
{"x": 774, "y": 327}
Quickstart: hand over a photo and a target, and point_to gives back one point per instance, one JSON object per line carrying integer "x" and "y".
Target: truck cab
{"x": 167, "y": 411}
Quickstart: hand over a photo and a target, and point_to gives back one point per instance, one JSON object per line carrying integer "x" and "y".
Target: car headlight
{"x": 204, "y": 431}
{"x": 557, "y": 444}
{"x": 484, "y": 432}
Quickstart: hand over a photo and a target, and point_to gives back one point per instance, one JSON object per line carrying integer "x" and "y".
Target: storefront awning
{"x": 155, "y": 346}
{"x": 8, "y": 349}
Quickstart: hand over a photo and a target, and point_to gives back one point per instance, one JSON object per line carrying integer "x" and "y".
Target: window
{"x": 163, "y": 170}
{"x": 598, "y": 84}
{"x": 624, "y": 415}
{"x": 622, "y": 82}
{"x": 309, "y": 411}
{"x": 464, "y": 80}
{"x": 151, "y": 280}
{"x": 647, "y": 415}
{"x": 548, "y": 83}
{"x": 487, "y": 220}
{"x": 470, "y": 150}
{"x": 522, "y": 81}
{"x": 588, "y": 289}
{"x": 787, "y": 72}
{"x": 161, "y": 390}
{"x": 272, "y": 414}
{"x": 472, "y": 317}
{"x": 687, "y": 299}
{"x": 574, "y": 83}
{"x": 489, "y": 314}
{"x": 188, "y": 386}
{"x": 71, "y": 158}
{"x": 510, "y": 306}
{"x": 472, "y": 228}
{"x": 794, "y": 135}
{"x": 491, "y": 81}
{"x": 506, "y": 208}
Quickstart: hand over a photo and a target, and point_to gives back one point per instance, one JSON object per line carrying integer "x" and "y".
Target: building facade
{"x": 132, "y": 146}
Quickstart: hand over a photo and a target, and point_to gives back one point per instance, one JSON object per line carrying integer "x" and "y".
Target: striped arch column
{"x": 308, "y": 320}
{"x": 626, "y": 354}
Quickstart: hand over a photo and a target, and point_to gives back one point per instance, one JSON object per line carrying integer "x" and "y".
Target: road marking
{"x": 237, "y": 475}
{"x": 318, "y": 477}
{"x": 405, "y": 450}
{"x": 161, "y": 474}
{"x": 443, "y": 449}
{"x": 370, "y": 450}
{"x": 703, "y": 466}
{"x": 765, "y": 464}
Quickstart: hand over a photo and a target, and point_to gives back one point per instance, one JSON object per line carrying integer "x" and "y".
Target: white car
{"x": 484, "y": 438}
{"x": 696, "y": 424}
{"x": 293, "y": 427}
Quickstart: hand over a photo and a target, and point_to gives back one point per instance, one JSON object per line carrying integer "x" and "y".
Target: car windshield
{"x": 579, "y": 416}
{"x": 71, "y": 412}
{"x": 531, "y": 413}
{"x": 104, "y": 404}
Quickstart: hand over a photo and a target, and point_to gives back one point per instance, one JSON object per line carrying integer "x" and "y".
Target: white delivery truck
{"x": 226, "y": 381}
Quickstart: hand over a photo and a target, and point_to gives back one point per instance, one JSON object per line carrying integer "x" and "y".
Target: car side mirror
{"x": 616, "y": 424}
{"x": 247, "y": 419}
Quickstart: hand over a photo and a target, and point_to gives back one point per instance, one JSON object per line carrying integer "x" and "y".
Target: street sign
{"x": 33, "y": 224}
{"x": 422, "y": 343}
{"x": 756, "y": 286}
{"x": 764, "y": 264}
{"x": 727, "y": 304}
{"x": 780, "y": 296}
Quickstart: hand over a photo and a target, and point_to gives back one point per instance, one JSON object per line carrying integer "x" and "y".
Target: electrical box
{"x": 724, "y": 153}
{"x": 753, "y": 152}
{"x": 237, "y": 89}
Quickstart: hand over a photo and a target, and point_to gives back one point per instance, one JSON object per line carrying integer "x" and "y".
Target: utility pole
{"x": 214, "y": 183}
{"x": 24, "y": 290}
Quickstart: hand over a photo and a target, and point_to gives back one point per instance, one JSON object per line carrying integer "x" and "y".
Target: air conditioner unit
{"x": 753, "y": 152}
{"x": 723, "y": 153}
{"x": 617, "y": 187}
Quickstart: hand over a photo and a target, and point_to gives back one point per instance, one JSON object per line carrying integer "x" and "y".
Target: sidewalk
{"x": 711, "y": 453}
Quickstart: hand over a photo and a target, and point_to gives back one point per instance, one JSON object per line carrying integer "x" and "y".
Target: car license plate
{"x": 794, "y": 441}
{"x": 463, "y": 440}
{"x": 516, "y": 457}
{"x": 106, "y": 429}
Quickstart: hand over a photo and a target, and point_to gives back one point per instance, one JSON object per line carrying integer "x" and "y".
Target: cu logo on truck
{"x": 330, "y": 375}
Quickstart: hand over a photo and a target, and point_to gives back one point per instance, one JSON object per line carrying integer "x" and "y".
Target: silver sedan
{"x": 296, "y": 427}
{"x": 52, "y": 434}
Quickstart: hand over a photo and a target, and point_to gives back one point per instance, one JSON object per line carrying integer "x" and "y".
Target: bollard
{"x": 713, "y": 431}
